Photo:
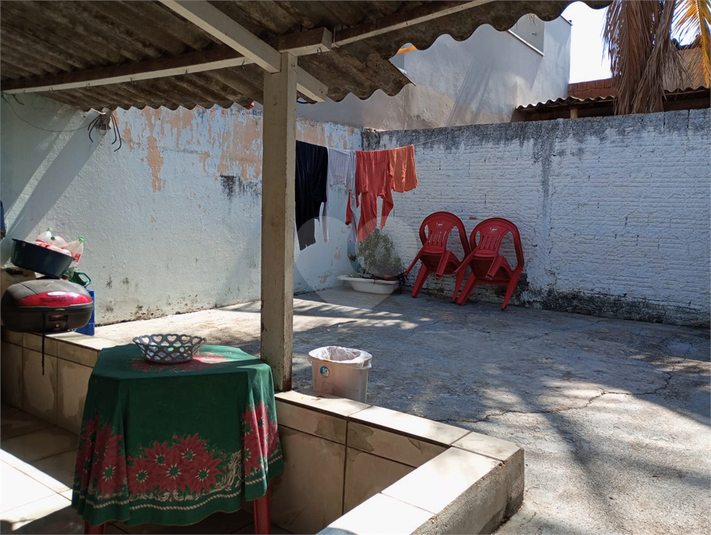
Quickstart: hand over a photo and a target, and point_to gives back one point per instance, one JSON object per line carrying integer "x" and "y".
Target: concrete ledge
{"x": 58, "y": 395}
{"x": 398, "y": 473}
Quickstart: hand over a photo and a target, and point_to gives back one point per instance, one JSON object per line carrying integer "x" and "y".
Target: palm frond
{"x": 692, "y": 21}
{"x": 664, "y": 58}
{"x": 638, "y": 40}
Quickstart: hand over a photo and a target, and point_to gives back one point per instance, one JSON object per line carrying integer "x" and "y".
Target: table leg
{"x": 94, "y": 530}
{"x": 262, "y": 514}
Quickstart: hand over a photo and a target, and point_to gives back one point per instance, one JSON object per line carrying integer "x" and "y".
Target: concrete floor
{"x": 613, "y": 415}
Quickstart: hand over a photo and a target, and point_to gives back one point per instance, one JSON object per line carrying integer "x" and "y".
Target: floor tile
{"x": 38, "y": 475}
{"x": 18, "y": 489}
{"x": 216, "y": 523}
{"x": 50, "y": 515}
{"x": 59, "y": 467}
{"x": 16, "y": 423}
{"x": 40, "y": 444}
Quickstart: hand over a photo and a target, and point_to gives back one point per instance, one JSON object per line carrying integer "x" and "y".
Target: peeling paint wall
{"x": 173, "y": 219}
{"x": 613, "y": 211}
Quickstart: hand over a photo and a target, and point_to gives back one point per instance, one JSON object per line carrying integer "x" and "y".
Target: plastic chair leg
{"x": 468, "y": 289}
{"x": 461, "y": 273}
{"x": 509, "y": 291}
{"x": 420, "y": 281}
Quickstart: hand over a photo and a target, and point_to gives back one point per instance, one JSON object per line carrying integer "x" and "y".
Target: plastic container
{"x": 76, "y": 248}
{"x": 40, "y": 259}
{"x": 341, "y": 371}
{"x": 45, "y": 237}
{"x": 59, "y": 242}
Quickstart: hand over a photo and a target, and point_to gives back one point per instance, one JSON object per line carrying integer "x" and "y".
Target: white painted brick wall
{"x": 613, "y": 211}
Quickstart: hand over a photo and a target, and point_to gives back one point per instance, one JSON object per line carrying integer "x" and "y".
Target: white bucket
{"x": 340, "y": 371}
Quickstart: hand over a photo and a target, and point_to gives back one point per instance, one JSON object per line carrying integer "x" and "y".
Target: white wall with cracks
{"x": 172, "y": 220}
{"x": 613, "y": 211}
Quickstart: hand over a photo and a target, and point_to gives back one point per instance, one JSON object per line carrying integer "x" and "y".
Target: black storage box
{"x": 46, "y": 305}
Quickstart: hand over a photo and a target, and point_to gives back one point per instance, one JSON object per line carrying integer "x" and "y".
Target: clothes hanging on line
{"x": 341, "y": 171}
{"x": 310, "y": 185}
{"x": 378, "y": 174}
{"x": 372, "y": 181}
{"x": 367, "y": 176}
{"x": 401, "y": 168}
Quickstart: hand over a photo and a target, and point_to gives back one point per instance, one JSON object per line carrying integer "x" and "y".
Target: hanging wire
{"x": 34, "y": 125}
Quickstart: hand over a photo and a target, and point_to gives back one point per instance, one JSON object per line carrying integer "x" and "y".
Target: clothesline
{"x": 367, "y": 175}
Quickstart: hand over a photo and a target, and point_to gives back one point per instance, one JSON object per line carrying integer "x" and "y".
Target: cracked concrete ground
{"x": 613, "y": 415}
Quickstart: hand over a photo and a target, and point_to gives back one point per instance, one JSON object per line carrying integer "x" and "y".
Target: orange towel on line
{"x": 373, "y": 181}
{"x": 401, "y": 168}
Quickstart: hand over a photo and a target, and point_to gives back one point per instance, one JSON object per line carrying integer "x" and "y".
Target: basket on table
{"x": 169, "y": 348}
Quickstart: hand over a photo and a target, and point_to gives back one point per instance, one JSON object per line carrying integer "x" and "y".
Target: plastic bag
{"x": 344, "y": 355}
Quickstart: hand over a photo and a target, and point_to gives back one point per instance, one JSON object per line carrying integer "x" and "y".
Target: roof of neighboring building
{"x": 593, "y": 88}
{"x": 47, "y": 44}
{"x": 680, "y": 99}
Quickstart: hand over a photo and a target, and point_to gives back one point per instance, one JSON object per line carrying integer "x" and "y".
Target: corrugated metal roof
{"x": 568, "y": 102}
{"x": 53, "y": 38}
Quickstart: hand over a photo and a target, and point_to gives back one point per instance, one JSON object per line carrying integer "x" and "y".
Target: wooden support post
{"x": 279, "y": 154}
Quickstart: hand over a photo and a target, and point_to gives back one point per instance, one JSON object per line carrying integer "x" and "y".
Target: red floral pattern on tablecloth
{"x": 181, "y": 469}
{"x": 201, "y": 361}
{"x": 261, "y": 441}
{"x": 184, "y": 466}
{"x": 101, "y": 465}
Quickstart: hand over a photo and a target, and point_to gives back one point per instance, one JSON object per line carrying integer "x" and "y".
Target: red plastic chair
{"x": 435, "y": 257}
{"x": 487, "y": 265}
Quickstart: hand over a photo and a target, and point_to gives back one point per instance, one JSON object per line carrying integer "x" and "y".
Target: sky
{"x": 586, "y": 60}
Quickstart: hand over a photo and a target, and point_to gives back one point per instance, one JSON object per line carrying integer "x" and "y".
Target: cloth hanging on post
{"x": 310, "y": 184}
{"x": 341, "y": 171}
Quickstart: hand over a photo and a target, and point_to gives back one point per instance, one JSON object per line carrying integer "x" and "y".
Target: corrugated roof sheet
{"x": 52, "y": 38}
{"x": 677, "y": 94}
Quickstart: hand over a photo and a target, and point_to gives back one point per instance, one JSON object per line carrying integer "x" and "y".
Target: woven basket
{"x": 169, "y": 348}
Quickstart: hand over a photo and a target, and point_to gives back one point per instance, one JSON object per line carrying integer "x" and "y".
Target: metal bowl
{"x": 169, "y": 348}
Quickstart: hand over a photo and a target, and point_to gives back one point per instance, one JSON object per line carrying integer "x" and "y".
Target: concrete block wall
{"x": 613, "y": 211}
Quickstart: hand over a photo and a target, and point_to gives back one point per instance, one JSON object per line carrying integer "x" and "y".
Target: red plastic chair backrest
{"x": 491, "y": 233}
{"x": 435, "y": 231}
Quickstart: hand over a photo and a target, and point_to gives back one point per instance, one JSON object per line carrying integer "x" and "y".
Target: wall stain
{"x": 153, "y": 155}
{"x": 228, "y": 185}
{"x": 203, "y": 160}
{"x": 232, "y": 184}
{"x": 155, "y": 162}
{"x": 128, "y": 139}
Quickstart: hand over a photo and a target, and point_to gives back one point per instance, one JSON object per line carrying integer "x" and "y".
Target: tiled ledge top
{"x": 72, "y": 346}
{"x": 401, "y": 423}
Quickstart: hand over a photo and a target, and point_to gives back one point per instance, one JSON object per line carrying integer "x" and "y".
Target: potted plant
{"x": 379, "y": 267}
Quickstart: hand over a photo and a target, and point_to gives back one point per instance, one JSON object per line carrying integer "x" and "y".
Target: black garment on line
{"x": 310, "y": 184}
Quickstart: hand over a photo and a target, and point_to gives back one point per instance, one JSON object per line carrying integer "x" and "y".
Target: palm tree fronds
{"x": 663, "y": 59}
{"x": 692, "y": 20}
{"x": 638, "y": 39}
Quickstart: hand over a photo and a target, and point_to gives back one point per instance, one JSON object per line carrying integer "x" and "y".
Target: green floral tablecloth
{"x": 173, "y": 443}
